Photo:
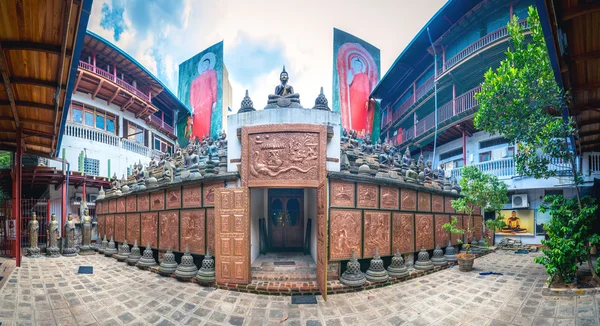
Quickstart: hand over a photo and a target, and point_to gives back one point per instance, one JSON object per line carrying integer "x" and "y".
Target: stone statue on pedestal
{"x": 284, "y": 96}
{"x": 86, "y": 234}
{"x": 69, "y": 249}
{"x": 34, "y": 227}
{"x": 52, "y": 250}
{"x": 206, "y": 274}
{"x": 247, "y": 104}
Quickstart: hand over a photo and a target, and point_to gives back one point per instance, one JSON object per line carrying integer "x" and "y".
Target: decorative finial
{"x": 247, "y": 104}
{"x": 283, "y": 69}
{"x": 321, "y": 102}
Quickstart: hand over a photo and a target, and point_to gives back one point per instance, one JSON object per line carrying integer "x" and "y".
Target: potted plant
{"x": 479, "y": 190}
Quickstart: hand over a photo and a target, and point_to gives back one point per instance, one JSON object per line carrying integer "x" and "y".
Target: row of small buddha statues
{"x": 70, "y": 244}
{"x": 199, "y": 158}
{"x": 383, "y": 159}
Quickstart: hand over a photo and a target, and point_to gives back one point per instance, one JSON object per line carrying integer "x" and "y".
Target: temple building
{"x": 467, "y": 39}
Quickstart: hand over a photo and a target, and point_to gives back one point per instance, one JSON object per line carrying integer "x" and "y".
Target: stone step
{"x": 291, "y": 277}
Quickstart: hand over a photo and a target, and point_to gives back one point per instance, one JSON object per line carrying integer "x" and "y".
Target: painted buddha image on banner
{"x": 201, "y": 89}
{"x": 356, "y": 66}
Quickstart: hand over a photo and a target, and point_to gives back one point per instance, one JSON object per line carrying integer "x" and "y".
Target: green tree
{"x": 522, "y": 100}
{"x": 478, "y": 189}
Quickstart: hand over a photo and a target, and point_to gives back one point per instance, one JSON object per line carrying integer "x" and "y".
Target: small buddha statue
{"x": 86, "y": 234}
{"x": 420, "y": 164}
{"x": 513, "y": 225}
{"x": 455, "y": 187}
{"x": 353, "y": 139}
{"x": 69, "y": 247}
{"x": 411, "y": 175}
{"x": 406, "y": 160}
{"x": 222, "y": 140}
{"x": 52, "y": 248}
{"x": 426, "y": 176}
{"x": 284, "y": 96}
{"x": 34, "y": 227}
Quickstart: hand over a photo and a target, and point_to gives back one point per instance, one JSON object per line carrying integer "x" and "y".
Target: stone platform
{"x": 285, "y": 266}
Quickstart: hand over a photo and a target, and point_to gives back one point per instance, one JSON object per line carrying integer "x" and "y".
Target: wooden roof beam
{"x": 35, "y": 46}
{"x": 112, "y": 98}
{"x": 128, "y": 104}
{"x": 580, "y": 10}
{"x": 588, "y": 122}
{"x": 8, "y": 86}
{"x": 586, "y": 56}
{"x": 97, "y": 88}
{"x": 35, "y": 82}
{"x": 79, "y": 76}
{"x": 589, "y": 133}
{"x": 30, "y": 105}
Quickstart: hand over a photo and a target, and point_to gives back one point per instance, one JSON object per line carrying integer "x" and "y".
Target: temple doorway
{"x": 286, "y": 220}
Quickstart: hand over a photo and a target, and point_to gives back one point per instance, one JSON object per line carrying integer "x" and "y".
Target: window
{"x": 454, "y": 152}
{"x": 93, "y": 117}
{"x": 493, "y": 142}
{"x": 458, "y": 163}
{"x": 484, "y": 157}
{"x": 135, "y": 132}
{"x": 90, "y": 166}
{"x": 161, "y": 145}
{"x": 511, "y": 151}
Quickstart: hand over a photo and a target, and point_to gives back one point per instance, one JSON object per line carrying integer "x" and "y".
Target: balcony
{"x": 100, "y": 72}
{"x": 418, "y": 94}
{"x": 506, "y": 168}
{"x": 447, "y": 111}
{"x": 83, "y": 132}
{"x": 161, "y": 125}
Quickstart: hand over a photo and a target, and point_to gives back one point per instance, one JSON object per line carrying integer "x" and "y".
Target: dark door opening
{"x": 286, "y": 219}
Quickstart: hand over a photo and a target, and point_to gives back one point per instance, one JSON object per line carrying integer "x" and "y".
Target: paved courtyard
{"x": 50, "y": 292}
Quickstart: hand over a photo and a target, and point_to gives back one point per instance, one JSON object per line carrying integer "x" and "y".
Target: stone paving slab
{"x": 48, "y": 291}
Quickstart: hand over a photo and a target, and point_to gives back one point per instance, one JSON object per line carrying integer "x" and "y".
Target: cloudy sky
{"x": 259, "y": 36}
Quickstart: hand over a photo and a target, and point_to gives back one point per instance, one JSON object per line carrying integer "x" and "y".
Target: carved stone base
{"x": 86, "y": 250}
{"x": 438, "y": 258}
{"x": 168, "y": 265}
{"x": 69, "y": 252}
{"x": 423, "y": 262}
{"x": 53, "y": 252}
{"x": 33, "y": 252}
{"x": 206, "y": 274}
{"x": 450, "y": 253}
{"x": 134, "y": 256}
{"x": 186, "y": 269}
{"x": 397, "y": 269}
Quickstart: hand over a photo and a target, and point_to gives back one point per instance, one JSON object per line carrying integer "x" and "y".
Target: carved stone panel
{"x": 110, "y": 226}
{"x": 157, "y": 200}
{"x": 368, "y": 195}
{"x": 192, "y": 230}
{"x": 150, "y": 229}
{"x": 133, "y": 228}
{"x": 424, "y": 202}
{"x": 143, "y": 202}
{"x": 208, "y": 195}
{"x": 377, "y": 233}
{"x": 192, "y": 196}
{"x": 120, "y": 227}
{"x": 478, "y": 226}
{"x": 101, "y": 225}
{"x": 112, "y": 205}
{"x": 169, "y": 230}
{"x": 408, "y": 200}
{"x": 389, "y": 198}
{"x": 437, "y": 203}
{"x": 403, "y": 232}
{"x": 210, "y": 228}
{"x": 459, "y": 224}
{"x": 345, "y": 233}
{"x": 131, "y": 204}
{"x": 424, "y": 226}
{"x": 98, "y": 207}
{"x": 174, "y": 198}
{"x": 121, "y": 205}
{"x": 294, "y": 153}
{"x": 441, "y": 235}
{"x": 448, "y": 204}
{"x": 342, "y": 194}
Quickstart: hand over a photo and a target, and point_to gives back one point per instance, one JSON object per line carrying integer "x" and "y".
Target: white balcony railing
{"x": 506, "y": 168}
{"x": 88, "y": 133}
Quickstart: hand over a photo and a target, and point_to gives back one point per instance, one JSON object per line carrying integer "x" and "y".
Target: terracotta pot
{"x": 465, "y": 262}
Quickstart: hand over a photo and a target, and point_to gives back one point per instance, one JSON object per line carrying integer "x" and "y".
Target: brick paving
{"x": 50, "y": 292}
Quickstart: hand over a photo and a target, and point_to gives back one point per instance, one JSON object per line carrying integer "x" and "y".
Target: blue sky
{"x": 259, "y": 36}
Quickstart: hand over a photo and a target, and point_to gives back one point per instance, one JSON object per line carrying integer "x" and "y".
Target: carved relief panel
{"x": 174, "y": 198}
{"x": 408, "y": 200}
{"x": 389, "y": 198}
{"x": 448, "y": 204}
{"x": 368, "y": 195}
{"x": 342, "y": 194}
{"x": 169, "y": 230}
{"x": 209, "y": 193}
{"x": 424, "y": 202}
{"x": 131, "y": 204}
{"x": 459, "y": 224}
{"x": 424, "y": 225}
{"x": 133, "y": 228}
{"x": 291, "y": 152}
{"x": 98, "y": 207}
{"x": 112, "y": 205}
{"x": 110, "y": 226}
{"x": 121, "y": 205}
{"x": 143, "y": 202}
{"x": 192, "y": 196}
{"x": 403, "y": 232}
{"x": 478, "y": 226}
{"x": 210, "y": 228}
{"x": 437, "y": 203}
{"x": 120, "y": 227}
{"x": 192, "y": 230}
{"x": 157, "y": 200}
{"x": 101, "y": 226}
{"x": 150, "y": 229}
{"x": 441, "y": 235}
{"x": 345, "y": 233}
{"x": 377, "y": 233}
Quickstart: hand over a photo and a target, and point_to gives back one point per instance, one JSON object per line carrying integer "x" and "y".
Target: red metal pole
{"x": 464, "y": 138}
{"x": 94, "y": 59}
{"x": 511, "y": 11}
{"x": 18, "y": 195}
{"x": 63, "y": 202}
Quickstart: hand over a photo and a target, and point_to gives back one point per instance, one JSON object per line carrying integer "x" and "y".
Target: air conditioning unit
{"x": 519, "y": 201}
